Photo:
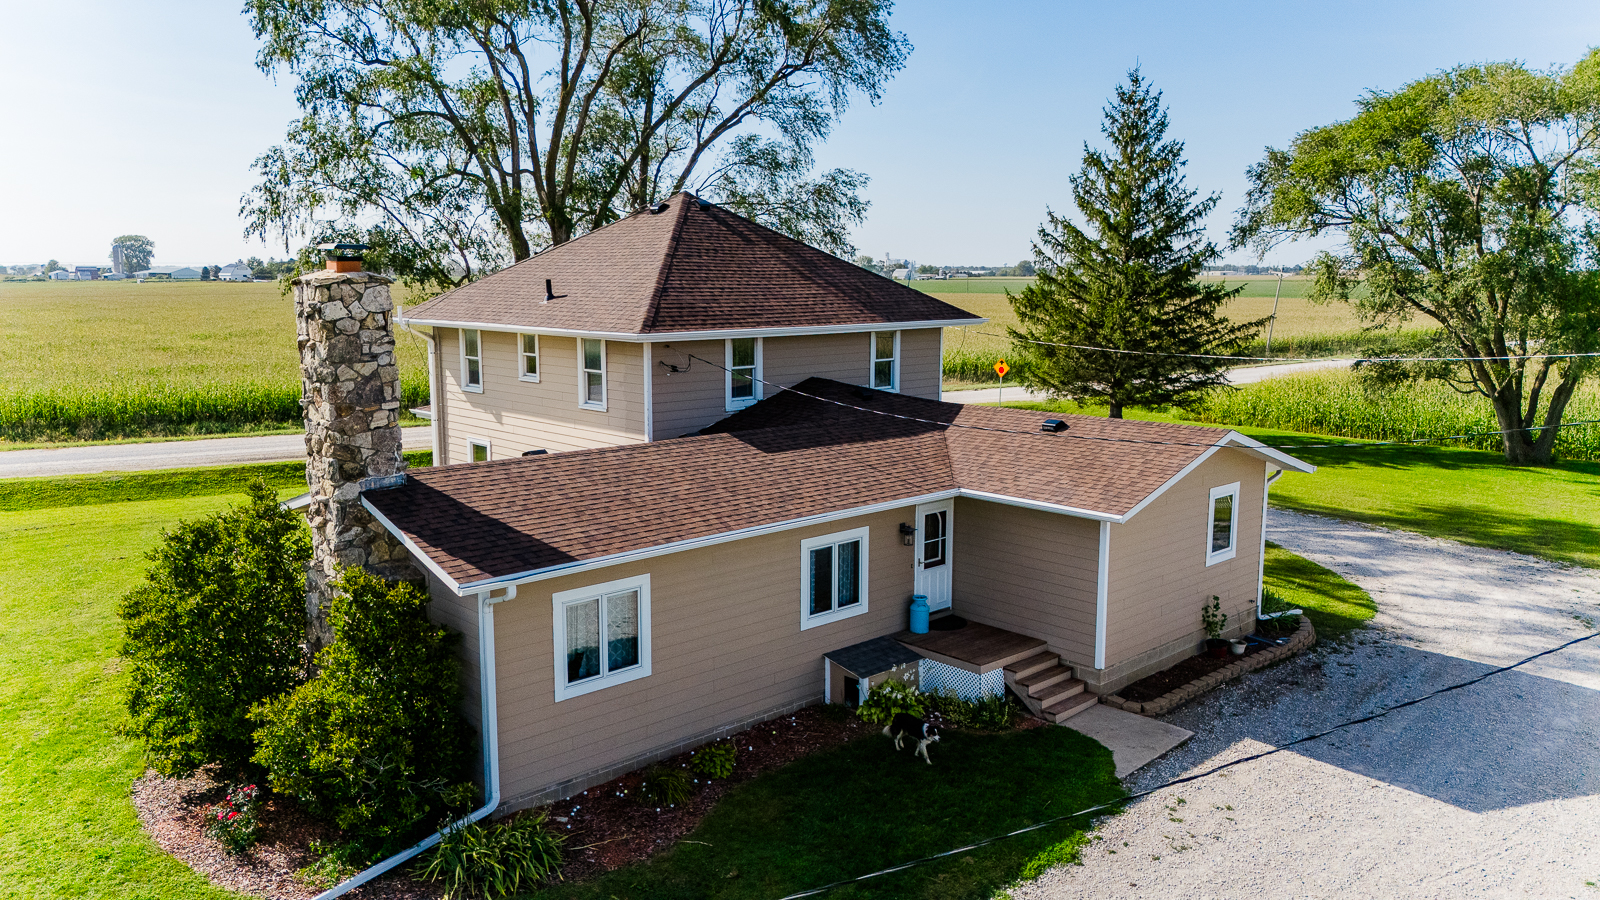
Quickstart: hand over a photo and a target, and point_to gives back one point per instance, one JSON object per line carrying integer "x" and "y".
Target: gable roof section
{"x": 686, "y": 269}
{"x": 784, "y": 462}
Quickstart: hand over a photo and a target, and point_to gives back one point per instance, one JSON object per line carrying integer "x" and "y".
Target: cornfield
{"x": 1338, "y": 403}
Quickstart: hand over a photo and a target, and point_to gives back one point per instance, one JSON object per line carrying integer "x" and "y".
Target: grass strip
{"x": 19, "y": 494}
{"x": 862, "y": 807}
{"x": 1335, "y": 606}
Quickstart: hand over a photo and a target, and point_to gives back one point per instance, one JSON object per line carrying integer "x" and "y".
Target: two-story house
{"x": 657, "y": 326}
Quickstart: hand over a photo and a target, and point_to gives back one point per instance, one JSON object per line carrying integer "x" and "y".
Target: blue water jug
{"x": 919, "y": 614}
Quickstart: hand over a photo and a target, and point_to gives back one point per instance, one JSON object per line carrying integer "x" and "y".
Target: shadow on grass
{"x": 1335, "y": 606}
{"x": 862, "y": 807}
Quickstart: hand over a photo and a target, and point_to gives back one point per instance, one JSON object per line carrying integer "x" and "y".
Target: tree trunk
{"x": 1532, "y": 448}
{"x": 1115, "y": 409}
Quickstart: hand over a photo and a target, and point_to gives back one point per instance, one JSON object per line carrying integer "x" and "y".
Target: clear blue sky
{"x": 145, "y": 117}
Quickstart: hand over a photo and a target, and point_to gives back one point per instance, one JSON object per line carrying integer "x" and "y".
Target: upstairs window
{"x": 744, "y": 372}
{"x": 1222, "y": 535}
{"x": 530, "y": 358}
{"x": 833, "y": 571}
{"x": 471, "y": 360}
{"x": 602, "y": 636}
{"x": 480, "y": 450}
{"x": 886, "y": 360}
{"x": 592, "y": 357}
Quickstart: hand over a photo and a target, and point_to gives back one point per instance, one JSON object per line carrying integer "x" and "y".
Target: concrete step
{"x": 1066, "y": 709}
{"x": 1040, "y": 683}
{"x": 1059, "y": 691}
{"x": 1036, "y": 663}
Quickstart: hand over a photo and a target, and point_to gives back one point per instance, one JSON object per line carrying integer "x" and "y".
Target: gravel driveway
{"x": 1489, "y": 791}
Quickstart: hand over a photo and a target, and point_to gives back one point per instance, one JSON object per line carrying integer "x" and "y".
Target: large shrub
{"x": 215, "y": 628}
{"x": 374, "y": 740}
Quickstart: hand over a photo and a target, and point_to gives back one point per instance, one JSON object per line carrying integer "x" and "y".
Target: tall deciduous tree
{"x": 457, "y": 136}
{"x": 1467, "y": 198}
{"x": 137, "y": 251}
{"x": 1127, "y": 280}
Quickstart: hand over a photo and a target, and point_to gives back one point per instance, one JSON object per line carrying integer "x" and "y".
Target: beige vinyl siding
{"x": 726, "y": 645}
{"x": 460, "y": 614}
{"x": 515, "y": 416}
{"x": 1159, "y": 576}
{"x": 689, "y": 400}
{"x": 1028, "y": 571}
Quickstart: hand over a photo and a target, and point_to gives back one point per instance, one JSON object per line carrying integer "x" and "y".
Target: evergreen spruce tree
{"x": 1127, "y": 280}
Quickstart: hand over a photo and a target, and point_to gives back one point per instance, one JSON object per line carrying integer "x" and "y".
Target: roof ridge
{"x": 664, "y": 270}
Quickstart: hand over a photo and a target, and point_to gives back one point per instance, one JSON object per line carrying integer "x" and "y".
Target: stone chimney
{"x": 351, "y": 404}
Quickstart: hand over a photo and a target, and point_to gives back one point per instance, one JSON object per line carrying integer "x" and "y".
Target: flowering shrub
{"x": 233, "y": 822}
{"x": 891, "y": 697}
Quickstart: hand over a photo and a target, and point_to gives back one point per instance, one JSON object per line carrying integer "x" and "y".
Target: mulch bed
{"x": 605, "y": 828}
{"x": 1153, "y": 687}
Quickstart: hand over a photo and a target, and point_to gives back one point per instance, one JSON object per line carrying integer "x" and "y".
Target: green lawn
{"x": 862, "y": 807}
{"x": 1335, "y": 606}
{"x": 1471, "y": 496}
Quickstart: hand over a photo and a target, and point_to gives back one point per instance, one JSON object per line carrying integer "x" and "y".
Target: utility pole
{"x": 1273, "y": 320}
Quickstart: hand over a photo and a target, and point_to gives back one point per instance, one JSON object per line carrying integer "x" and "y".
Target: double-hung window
{"x": 1222, "y": 532}
{"x": 833, "y": 577}
{"x": 602, "y": 636}
{"x": 743, "y": 379}
{"x": 530, "y": 358}
{"x": 886, "y": 360}
{"x": 592, "y": 359}
{"x": 471, "y": 359}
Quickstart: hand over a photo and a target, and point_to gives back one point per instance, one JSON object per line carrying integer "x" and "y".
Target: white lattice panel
{"x": 936, "y": 676}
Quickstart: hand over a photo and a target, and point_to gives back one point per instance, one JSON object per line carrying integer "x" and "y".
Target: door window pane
{"x": 622, "y": 630}
{"x": 1222, "y": 524}
{"x": 933, "y": 539}
{"x": 821, "y": 580}
{"x": 849, "y": 573}
{"x": 583, "y": 640}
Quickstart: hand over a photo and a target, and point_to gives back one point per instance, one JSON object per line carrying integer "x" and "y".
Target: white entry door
{"x": 932, "y": 576}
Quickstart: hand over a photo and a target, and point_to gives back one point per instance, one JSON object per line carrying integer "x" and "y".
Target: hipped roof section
{"x": 785, "y": 461}
{"x": 691, "y": 267}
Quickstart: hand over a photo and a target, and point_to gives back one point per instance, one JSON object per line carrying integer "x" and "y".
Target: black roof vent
{"x": 1052, "y": 426}
{"x": 539, "y": 452}
{"x": 659, "y": 208}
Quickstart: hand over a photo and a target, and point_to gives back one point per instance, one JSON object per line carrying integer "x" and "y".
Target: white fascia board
{"x": 416, "y": 551}
{"x": 718, "y": 334}
{"x": 1236, "y": 439}
{"x": 1042, "y": 505}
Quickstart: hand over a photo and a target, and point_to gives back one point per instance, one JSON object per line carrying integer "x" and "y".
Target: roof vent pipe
{"x": 549, "y": 292}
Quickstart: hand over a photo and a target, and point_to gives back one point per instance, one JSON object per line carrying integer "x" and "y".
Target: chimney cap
{"x": 344, "y": 250}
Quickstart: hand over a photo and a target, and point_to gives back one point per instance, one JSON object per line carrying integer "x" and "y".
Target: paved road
{"x": 169, "y": 454}
{"x": 1241, "y": 375}
{"x": 1490, "y": 791}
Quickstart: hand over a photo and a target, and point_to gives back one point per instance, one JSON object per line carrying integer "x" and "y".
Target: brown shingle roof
{"x": 786, "y": 458}
{"x": 688, "y": 268}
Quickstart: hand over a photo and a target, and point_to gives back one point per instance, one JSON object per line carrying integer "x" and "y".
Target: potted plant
{"x": 1215, "y": 620}
{"x": 1237, "y": 646}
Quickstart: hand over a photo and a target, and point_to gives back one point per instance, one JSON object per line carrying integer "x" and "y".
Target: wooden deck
{"x": 974, "y": 647}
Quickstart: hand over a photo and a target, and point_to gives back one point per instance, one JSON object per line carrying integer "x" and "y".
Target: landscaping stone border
{"x": 1303, "y": 637}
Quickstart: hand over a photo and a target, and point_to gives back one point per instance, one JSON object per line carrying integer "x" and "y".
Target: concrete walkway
{"x": 56, "y": 461}
{"x": 1490, "y": 791}
{"x": 1132, "y": 739}
{"x": 1240, "y": 375}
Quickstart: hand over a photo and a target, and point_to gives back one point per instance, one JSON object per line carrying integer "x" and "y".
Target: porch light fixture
{"x": 908, "y": 534}
{"x": 1052, "y": 426}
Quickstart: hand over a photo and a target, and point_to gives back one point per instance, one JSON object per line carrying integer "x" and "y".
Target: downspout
{"x": 436, "y": 421}
{"x": 491, "y": 751}
{"x": 1261, "y": 571}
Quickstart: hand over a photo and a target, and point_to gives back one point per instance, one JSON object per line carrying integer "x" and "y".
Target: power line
{"x": 1355, "y": 359}
{"x": 1188, "y": 778}
{"x": 1115, "y": 440}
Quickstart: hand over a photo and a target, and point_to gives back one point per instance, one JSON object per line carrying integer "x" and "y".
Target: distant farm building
{"x": 86, "y": 273}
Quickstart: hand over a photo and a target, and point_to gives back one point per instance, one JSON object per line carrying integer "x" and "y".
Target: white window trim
{"x": 475, "y": 388}
{"x": 583, "y": 378}
{"x": 558, "y": 602}
{"x": 730, "y": 404}
{"x": 522, "y": 357}
{"x": 872, "y": 362}
{"x": 1227, "y": 490}
{"x": 807, "y": 620}
{"x": 488, "y": 448}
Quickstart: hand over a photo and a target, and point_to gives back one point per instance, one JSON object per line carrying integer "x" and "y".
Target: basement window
{"x": 833, "y": 573}
{"x": 886, "y": 360}
{"x": 743, "y": 372}
{"x": 530, "y": 358}
{"x": 592, "y": 386}
{"x": 602, "y": 635}
{"x": 1222, "y": 525}
{"x": 471, "y": 360}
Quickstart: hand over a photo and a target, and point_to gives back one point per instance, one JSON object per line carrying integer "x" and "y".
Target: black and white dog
{"x": 906, "y": 725}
